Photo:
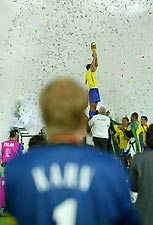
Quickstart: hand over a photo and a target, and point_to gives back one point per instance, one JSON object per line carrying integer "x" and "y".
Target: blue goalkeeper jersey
{"x": 67, "y": 184}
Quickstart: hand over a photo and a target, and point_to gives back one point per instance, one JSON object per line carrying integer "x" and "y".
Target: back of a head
{"x": 149, "y": 137}
{"x": 63, "y": 103}
{"x": 37, "y": 140}
{"x": 13, "y": 133}
{"x": 102, "y": 110}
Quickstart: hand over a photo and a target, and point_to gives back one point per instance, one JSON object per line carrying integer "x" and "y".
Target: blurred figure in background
{"x": 120, "y": 135}
{"x": 132, "y": 133}
{"x": 111, "y": 148}
{"x": 99, "y": 125}
{"x": 141, "y": 133}
{"x": 142, "y": 180}
{"x": 10, "y": 148}
{"x": 37, "y": 140}
{"x": 122, "y": 140}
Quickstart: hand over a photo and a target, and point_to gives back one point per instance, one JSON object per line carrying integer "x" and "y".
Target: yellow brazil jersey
{"x": 143, "y": 130}
{"x": 91, "y": 79}
{"x": 123, "y": 139}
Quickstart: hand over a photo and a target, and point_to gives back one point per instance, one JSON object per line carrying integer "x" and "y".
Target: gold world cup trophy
{"x": 93, "y": 47}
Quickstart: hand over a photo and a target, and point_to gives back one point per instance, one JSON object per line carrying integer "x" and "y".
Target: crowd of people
{"x": 123, "y": 139}
{"x": 61, "y": 180}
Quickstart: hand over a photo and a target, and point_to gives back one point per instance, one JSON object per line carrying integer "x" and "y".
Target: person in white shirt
{"x": 99, "y": 125}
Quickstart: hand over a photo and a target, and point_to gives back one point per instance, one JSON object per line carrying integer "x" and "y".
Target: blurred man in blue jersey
{"x": 66, "y": 183}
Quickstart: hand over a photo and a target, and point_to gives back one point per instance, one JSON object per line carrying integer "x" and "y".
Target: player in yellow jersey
{"x": 90, "y": 79}
{"x": 122, "y": 140}
{"x": 141, "y": 133}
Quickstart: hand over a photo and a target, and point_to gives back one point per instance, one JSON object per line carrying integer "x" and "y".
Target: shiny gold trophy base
{"x": 93, "y": 47}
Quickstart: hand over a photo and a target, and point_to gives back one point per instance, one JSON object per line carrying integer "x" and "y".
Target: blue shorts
{"x": 94, "y": 95}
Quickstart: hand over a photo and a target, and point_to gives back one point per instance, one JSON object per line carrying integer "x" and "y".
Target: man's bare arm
{"x": 93, "y": 63}
{"x": 96, "y": 62}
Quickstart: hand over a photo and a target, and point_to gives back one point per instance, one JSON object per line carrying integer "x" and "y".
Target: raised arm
{"x": 94, "y": 62}
{"x": 94, "y": 54}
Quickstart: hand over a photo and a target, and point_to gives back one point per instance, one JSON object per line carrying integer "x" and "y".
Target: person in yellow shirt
{"x": 91, "y": 80}
{"x": 141, "y": 133}
{"x": 120, "y": 135}
{"x": 122, "y": 140}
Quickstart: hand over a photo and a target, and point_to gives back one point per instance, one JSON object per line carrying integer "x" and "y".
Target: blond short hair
{"x": 62, "y": 104}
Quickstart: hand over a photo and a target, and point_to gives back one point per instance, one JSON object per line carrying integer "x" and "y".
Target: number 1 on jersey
{"x": 65, "y": 213}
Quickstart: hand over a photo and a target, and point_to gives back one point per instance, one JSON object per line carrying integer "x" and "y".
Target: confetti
{"x": 62, "y": 48}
